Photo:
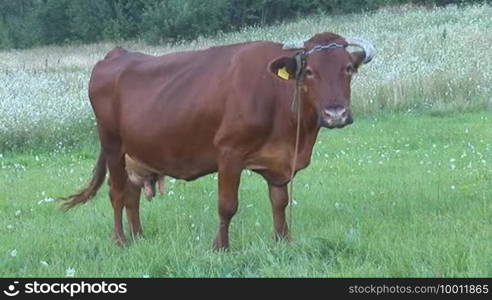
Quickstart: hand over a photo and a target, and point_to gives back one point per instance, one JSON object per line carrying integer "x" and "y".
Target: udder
{"x": 144, "y": 177}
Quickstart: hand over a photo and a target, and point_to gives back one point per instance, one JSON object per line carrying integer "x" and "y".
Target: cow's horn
{"x": 293, "y": 45}
{"x": 365, "y": 45}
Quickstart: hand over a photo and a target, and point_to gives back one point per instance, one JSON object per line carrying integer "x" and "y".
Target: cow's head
{"x": 326, "y": 74}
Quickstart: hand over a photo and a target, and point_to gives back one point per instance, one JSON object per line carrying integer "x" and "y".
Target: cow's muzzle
{"x": 336, "y": 117}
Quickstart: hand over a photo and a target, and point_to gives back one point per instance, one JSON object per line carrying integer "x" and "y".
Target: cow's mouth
{"x": 336, "y": 118}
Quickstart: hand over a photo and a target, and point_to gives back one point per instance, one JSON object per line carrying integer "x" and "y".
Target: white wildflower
{"x": 46, "y": 200}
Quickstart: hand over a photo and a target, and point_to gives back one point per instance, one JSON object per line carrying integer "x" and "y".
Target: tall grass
{"x": 428, "y": 60}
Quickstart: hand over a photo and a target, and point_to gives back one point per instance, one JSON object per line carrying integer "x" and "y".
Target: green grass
{"x": 390, "y": 195}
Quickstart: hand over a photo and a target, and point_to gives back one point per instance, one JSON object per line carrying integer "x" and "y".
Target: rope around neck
{"x": 296, "y": 104}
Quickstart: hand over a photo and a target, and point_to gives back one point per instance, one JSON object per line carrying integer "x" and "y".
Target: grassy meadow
{"x": 404, "y": 191}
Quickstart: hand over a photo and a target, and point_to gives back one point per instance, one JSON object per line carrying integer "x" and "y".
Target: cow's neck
{"x": 308, "y": 131}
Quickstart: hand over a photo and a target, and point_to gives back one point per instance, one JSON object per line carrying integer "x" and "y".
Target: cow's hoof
{"x": 282, "y": 238}
{"x": 220, "y": 246}
{"x": 137, "y": 236}
{"x": 120, "y": 241}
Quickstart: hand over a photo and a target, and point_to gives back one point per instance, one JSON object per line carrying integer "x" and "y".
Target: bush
{"x": 53, "y": 21}
{"x": 87, "y": 19}
{"x": 175, "y": 20}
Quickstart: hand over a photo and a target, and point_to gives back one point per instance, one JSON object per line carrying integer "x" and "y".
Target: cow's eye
{"x": 309, "y": 73}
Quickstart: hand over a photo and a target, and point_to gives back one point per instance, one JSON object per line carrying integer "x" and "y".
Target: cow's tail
{"x": 98, "y": 176}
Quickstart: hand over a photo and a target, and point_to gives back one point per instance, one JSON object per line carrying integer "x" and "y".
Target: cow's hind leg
{"x": 132, "y": 206}
{"x": 229, "y": 177}
{"x": 279, "y": 198}
{"x": 117, "y": 182}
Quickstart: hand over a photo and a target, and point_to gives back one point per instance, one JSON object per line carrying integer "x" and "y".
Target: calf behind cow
{"x": 222, "y": 109}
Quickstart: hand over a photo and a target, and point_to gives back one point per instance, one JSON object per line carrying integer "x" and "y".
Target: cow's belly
{"x": 178, "y": 160}
{"x": 187, "y": 168}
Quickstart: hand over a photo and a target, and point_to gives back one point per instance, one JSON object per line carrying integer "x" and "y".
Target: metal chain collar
{"x": 324, "y": 47}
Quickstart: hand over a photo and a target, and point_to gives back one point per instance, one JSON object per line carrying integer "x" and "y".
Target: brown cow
{"x": 222, "y": 109}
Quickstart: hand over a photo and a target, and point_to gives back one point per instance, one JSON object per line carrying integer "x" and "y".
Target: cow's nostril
{"x": 336, "y": 113}
{"x": 337, "y": 117}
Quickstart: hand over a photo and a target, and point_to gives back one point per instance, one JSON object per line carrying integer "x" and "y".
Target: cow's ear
{"x": 358, "y": 58}
{"x": 283, "y": 67}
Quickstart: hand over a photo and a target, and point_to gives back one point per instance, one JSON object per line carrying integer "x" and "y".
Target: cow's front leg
{"x": 279, "y": 197}
{"x": 229, "y": 177}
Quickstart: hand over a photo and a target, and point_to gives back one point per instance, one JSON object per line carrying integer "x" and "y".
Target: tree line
{"x": 29, "y": 23}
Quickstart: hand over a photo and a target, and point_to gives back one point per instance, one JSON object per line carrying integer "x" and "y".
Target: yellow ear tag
{"x": 283, "y": 73}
